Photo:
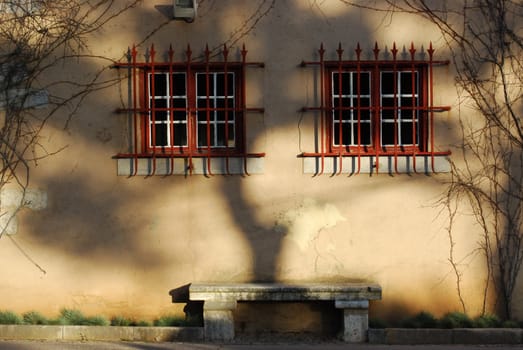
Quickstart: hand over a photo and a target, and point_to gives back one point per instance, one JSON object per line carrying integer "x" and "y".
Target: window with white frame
{"x": 193, "y": 111}
{"x": 379, "y": 109}
{"x": 188, "y": 110}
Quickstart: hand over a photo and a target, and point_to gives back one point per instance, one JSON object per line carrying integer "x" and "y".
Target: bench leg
{"x": 355, "y": 320}
{"x": 218, "y": 320}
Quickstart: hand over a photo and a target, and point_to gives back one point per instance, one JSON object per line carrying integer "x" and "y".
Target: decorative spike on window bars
{"x": 343, "y": 106}
{"x": 149, "y": 116}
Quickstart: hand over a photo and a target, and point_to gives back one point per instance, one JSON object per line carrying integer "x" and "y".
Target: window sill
{"x": 180, "y": 166}
{"x": 389, "y": 164}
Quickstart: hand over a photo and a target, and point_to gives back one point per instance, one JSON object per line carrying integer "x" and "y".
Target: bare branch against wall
{"x": 36, "y": 36}
{"x": 485, "y": 41}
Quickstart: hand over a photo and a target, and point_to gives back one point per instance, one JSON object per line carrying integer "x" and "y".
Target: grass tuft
{"x": 487, "y": 321}
{"x": 510, "y": 324}
{"x": 121, "y": 321}
{"x": 377, "y": 323}
{"x": 71, "y": 317}
{"x": 128, "y": 322}
{"x": 421, "y": 320}
{"x": 34, "y": 318}
{"x": 456, "y": 320}
{"x": 96, "y": 321}
{"x": 170, "y": 321}
{"x": 9, "y": 317}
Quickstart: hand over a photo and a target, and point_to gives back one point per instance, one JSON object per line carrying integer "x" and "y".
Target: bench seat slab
{"x": 220, "y": 301}
{"x": 284, "y": 292}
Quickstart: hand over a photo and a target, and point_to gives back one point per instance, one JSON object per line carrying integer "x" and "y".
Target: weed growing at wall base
{"x": 421, "y": 320}
{"x": 170, "y": 321}
{"x": 72, "y": 317}
{"x": 69, "y": 317}
{"x": 128, "y": 322}
{"x": 8, "y": 317}
{"x": 450, "y": 320}
{"x": 33, "y": 317}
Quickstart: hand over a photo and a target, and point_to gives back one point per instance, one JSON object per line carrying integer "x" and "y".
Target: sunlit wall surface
{"x": 116, "y": 245}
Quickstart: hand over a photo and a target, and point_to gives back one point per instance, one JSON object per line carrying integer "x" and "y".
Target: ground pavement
{"x": 61, "y": 345}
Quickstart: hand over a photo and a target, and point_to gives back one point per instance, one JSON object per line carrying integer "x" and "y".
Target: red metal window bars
{"x": 377, "y": 107}
{"x": 187, "y": 109}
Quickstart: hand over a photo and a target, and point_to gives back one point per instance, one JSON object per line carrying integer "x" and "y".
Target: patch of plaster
{"x": 303, "y": 223}
{"x": 14, "y": 199}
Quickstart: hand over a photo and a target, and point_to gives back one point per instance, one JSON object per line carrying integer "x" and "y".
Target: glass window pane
{"x": 160, "y": 109}
{"x": 387, "y": 104}
{"x": 344, "y": 79}
{"x": 180, "y": 135}
{"x": 160, "y": 84}
{"x": 364, "y": 83}
{"x": 387, "y": 83}
{"x": 363, "y": 110}
{"x": 178, "y": 87}
{"x": 346, "y": 83}
{"x": 346, "y": 136}
{"x": 220, "y": 116}
{"x": 335, "y": 84}
{"x": 159, "y": 103}
{"x": 345, "y": 115}
{"x": 160, "y": 136}
{"x": 179, "y": 116}
{"x": 201, "y": 84}
{"x": 407, "y": 102}
{"x": 406, "y": 133}
{"x": 365, "y": 134}
{"x": 407, "y": 83}
{"x": 220, "y": 103}
{"x": 160, "y": 116}
{"x": 201, "y": 103}
{"x": 387, "y": 133}
{"x": 221, "y": 135}
{"x": 202, "y": 135}
{"x": 178, "y": 103}
{"x": 203, "y": 112}
{"x": 338, "y": 103}
{"x": 364, "y": 115}
{"x": 202, "y": 116}
{"x": 232, "y": 136}
{"x": 230, "y": 84}
{"x": 220, "y": 84}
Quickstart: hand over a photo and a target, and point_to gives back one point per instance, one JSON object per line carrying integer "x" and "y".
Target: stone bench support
{"x": 220, "y": 301}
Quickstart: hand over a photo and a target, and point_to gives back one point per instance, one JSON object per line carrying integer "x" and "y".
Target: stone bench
{"x": 220, "y": 300}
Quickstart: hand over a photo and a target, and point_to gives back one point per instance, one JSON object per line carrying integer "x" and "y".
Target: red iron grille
{"x": 170, "y": 124}
{"x": 383, "y": 106}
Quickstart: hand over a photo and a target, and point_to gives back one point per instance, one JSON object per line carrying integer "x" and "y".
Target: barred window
{"x": 375, "y": 109}
{"x": 213, "y": 100}
{"x": 194, "y": 111}
{"x": 396, "y": 95}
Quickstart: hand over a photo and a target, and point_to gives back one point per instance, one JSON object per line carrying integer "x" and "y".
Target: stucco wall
{"x": 117, "y": 245}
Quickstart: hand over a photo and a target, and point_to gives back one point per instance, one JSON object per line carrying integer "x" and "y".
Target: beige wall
{"x": 117, "y": 245}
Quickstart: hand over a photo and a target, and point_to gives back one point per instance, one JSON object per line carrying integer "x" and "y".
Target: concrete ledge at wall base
{"x": 462, "y": 336}
{"x": 390, "y": 336}
{"x": 101, "y": 333}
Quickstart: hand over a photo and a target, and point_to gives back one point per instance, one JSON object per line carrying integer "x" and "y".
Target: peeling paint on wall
{"x": 304, "y": 223}
{"x": 13, "y": 199}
